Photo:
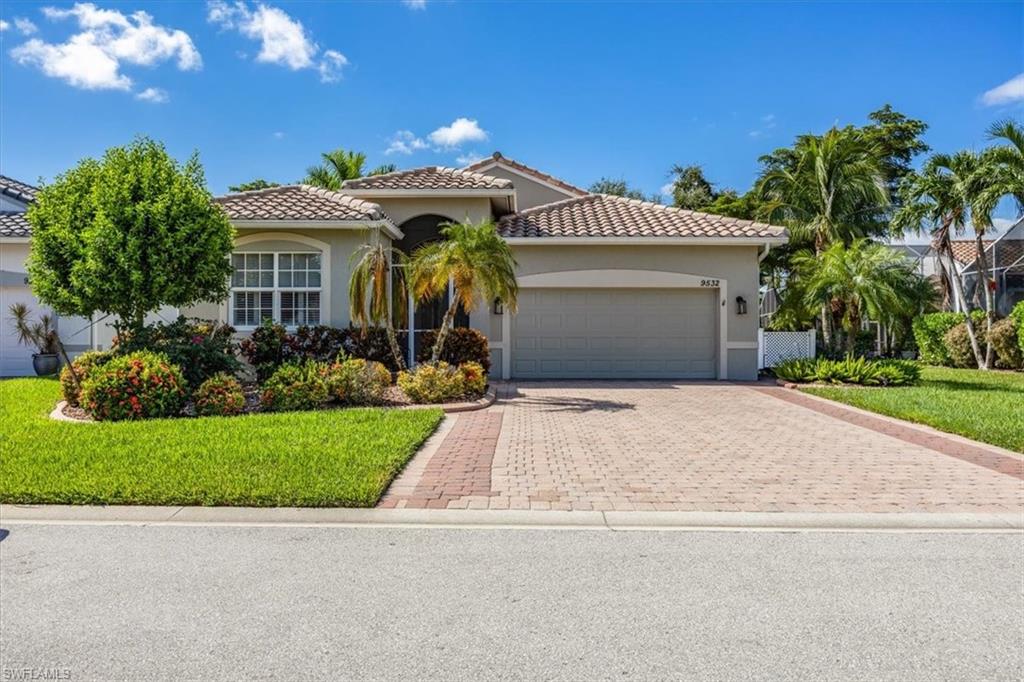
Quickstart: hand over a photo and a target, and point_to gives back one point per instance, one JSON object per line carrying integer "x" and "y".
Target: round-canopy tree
{"x": 128, "y": 234}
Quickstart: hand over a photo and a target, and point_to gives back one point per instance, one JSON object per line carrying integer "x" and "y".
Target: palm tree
{"x": 478, "y": 263}
{"x": 867, "y": 279}
{"x": 374, "y": 283}
{"x": 1007, "y": 161}
{"x": 337, "y": 167}
{"x": 949, "y": 192}
{"x": 383, "y": 169}
{"x": 825, "y": 191}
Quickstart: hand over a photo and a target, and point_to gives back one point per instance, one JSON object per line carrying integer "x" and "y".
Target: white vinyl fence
{"x": 774, "y": 347}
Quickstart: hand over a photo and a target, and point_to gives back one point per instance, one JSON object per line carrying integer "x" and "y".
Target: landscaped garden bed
{"x": 340, "y": 457}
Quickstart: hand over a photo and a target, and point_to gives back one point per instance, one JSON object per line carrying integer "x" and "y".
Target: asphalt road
{"x": 176, "y": 603}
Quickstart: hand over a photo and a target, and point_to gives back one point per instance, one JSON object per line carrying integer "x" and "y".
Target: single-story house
{"x": 609, "y": 287}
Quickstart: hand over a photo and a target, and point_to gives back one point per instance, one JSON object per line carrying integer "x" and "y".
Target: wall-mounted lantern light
{"x": 498, "y": 307}
{"x": 741, "y": 305}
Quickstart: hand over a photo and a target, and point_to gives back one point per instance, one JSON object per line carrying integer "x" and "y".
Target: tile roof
{"x": 426, "y": 178}
{"x": 18, "y": 190}
{"x": 527, "y": 170}
{"x": 298, "y": 202}
{"x": 1007, "y": 251}
{"x": 14, "y": 224}
{"x": 604, "y": 215}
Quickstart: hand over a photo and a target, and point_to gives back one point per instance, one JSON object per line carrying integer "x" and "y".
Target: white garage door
{"x": 15, "y": 359}
{"x": 615, "y": 334}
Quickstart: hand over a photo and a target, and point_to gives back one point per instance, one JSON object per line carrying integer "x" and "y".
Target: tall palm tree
{"x": 373, "y": 285}
{"x": 478, "y": 263}
{"x": 944, "y": 197}
{"x": 383, "y": 169}
{"x": 868, "y": 280}
{"x": 1007, "y": 162}
{"x": 337, "y": 166}
{"x": 825, "y": 191}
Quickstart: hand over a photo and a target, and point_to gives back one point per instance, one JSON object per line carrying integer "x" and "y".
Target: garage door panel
{"x": 616, "y": 333}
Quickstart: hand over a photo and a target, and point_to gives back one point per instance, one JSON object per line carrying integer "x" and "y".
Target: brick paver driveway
{"x": 692, "y": 446}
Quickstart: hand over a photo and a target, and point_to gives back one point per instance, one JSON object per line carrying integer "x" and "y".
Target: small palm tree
{"x": 1007, "y": 162}
{"x": 866, "y": 279}
{"x": 369, "y": 291}
{"x": 478, "y": 263}
{"x": 337, "y": 167}
{"x": 383, "y": 169}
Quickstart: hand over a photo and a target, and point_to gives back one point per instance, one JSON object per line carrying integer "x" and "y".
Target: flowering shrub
{"x": 358, "y": 382}
{"x": 433, "y": 383}
{"x": 140, "y": 385}
{"x": 82, "y": 366}
{"x": 264, "y": 349}
{"x": 473, "y": 377}
{"x": 295, "y": 386}
{"x": 201, "y": 348}
{"x": 462, "y": 345}
{"x": 220, "y": 395}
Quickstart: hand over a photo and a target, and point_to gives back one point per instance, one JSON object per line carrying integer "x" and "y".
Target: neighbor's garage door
{"x": 615, "y": 334}
{"x": 15, "y": 358}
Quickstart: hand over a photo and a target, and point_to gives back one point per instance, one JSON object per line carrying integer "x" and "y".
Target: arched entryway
{"x": 425, "y": 315}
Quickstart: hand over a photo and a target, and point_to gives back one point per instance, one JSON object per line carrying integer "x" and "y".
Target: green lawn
{"x": 307, "y": 459}
{"x": 985, "y": 406}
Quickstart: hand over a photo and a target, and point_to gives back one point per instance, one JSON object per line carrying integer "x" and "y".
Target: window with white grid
{"x": 283, "y": 287}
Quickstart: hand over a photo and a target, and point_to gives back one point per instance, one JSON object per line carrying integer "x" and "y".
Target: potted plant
{"x": 42, "y": 334}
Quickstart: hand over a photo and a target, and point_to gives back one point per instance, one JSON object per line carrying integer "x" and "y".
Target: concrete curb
{"x": 453, "y": 518}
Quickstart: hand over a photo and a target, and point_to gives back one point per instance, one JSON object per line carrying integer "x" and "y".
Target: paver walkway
{"x": 700, "y": 447}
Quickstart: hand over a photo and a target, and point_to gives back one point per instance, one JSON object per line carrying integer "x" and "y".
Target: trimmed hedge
{"x": 1017, "y": 315}
{"x": 462, "y": 345}
{"x": 1005, "y": 339}
{"x": 930, "y": 335}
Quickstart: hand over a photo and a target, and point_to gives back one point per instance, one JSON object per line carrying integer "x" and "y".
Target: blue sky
{"x": 581, "y": 90}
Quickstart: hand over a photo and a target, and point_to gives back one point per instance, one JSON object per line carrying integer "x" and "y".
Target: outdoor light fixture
{"x": 741, "y": 305}
{"x": 498, "y": 307}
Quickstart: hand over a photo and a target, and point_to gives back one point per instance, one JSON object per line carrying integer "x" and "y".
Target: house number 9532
{"x": 709, "y": 282}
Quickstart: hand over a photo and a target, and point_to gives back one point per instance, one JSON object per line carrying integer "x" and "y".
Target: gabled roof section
{"x": 300, "y": 203}
{"x": 21, "y": 191}
{"x": 1005, "y": 253}
{"x": 606, "y": 216}
{"x": 497, "y": 159}
{"x": 14, "y": 224}
{"x": 426, "y": 179}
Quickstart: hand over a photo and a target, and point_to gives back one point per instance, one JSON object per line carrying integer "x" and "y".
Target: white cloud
{"x": 469, "y": 158}
{"x": 25, "y": 26}
{"x": 278, "y": 134}
{"x": 283, "y": 39}
{"x": 93, "y": 58}
{"x": 4, "y": 25}
{"x": 1007, "y": 93}
{"x": 667, "y": 189}
{"x": 154, "y": 95}
{"x": 767, "y": 124}
{"x": 461, "y": 130}
{"x": 415, "y": 4}
{"x": 405, "y": 142}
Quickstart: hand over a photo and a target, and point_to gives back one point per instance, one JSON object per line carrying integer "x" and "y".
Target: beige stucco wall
{"x": 529, "y": 193}
{"x": 473, "y": 209}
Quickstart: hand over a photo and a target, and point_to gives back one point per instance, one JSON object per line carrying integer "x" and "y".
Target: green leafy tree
{"x": 370, "y": 289}
{"x": 478, "y": 263}
{"x": 619, "y": 188}
{"x": 690, "y": 189}
{"x": 865, "y": 280}
{"x": 127, "y": 234}
{"x": 897, "y": 141}
{"x": 947, "y": 195}
{"x": 1005, "y": 162}
{"x": 258, "y": 183}
{"x": 730, "y": 203}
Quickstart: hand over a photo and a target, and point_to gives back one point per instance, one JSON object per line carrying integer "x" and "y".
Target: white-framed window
{"x": 282, "y": 286}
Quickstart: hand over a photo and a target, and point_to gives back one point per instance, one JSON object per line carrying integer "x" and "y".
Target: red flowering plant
{"x": 474, "y": 377}
{"x": 139, "y": 385}
{"x": 220, "y": 395}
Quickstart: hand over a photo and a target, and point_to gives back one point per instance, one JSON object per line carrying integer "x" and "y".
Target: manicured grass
{"x": 985, "y": 406}
{"x": 307, "y": 459}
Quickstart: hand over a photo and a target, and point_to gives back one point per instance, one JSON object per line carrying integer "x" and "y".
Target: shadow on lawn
{"x": 949, "y": 385}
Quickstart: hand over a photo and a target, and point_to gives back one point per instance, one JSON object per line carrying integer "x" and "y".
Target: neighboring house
{"x": 609, "y": 287}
